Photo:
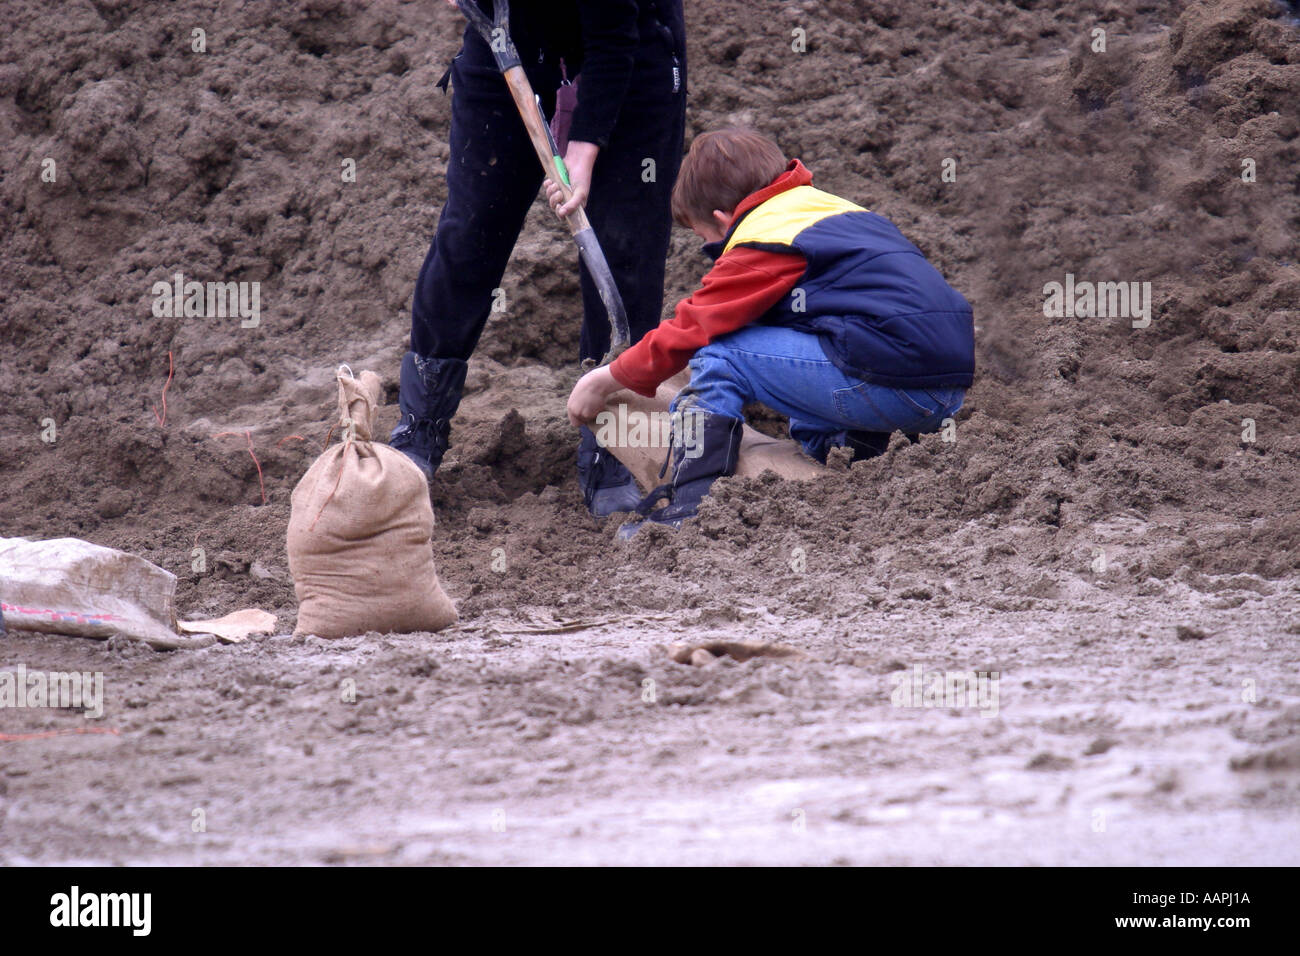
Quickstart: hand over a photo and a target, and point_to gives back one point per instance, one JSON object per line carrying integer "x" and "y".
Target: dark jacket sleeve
{"x": 609, "y": 41}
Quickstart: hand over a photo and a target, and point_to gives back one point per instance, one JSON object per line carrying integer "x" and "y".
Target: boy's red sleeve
{"x": 741, "y": 286}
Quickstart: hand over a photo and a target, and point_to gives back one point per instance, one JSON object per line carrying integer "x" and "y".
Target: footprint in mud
{"x": 1049, "y": 761}
{"x": 1285, "y": 756}
{"x": 705, "y": 653}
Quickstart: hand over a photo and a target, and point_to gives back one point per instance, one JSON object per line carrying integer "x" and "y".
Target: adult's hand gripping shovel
{"x": 496, "y": 32}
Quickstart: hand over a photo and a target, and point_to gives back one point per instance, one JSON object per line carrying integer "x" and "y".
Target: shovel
{"x": 497, "y": 34}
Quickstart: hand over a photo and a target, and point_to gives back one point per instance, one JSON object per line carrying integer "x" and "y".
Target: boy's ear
{"x": 722, "y": 219}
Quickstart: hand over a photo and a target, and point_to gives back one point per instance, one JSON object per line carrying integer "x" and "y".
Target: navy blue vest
{"x": 883, "y": 314}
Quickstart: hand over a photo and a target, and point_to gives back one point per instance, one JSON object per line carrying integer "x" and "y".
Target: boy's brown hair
{"x": 721, "y": 169}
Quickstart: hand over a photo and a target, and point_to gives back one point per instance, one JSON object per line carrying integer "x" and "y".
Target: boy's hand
{"x": 580, "y": 159}
{"x": 591, "y": 393}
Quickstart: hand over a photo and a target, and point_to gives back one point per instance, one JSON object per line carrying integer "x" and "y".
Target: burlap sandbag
{"x": 644, "y": 459}
{"x": 360, "y": 532}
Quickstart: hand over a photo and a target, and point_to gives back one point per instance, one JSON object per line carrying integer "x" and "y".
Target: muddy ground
{"x": 1107, "y": 532}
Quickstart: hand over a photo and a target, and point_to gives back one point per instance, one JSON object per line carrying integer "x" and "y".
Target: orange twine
{"x": 256, "y": 463}
{"x": 171, "y": 369}
{"x": 349, "y": 436}
{"x": 61, "y": 733}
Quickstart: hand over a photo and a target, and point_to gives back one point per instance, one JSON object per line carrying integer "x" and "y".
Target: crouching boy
{"x": 815, "y": 307}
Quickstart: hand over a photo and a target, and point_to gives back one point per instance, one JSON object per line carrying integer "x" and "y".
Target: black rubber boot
{"x": 870, "y": 444}
{"x": 866, "y": 444}
{"x": 607, "y": 487}
{"x": 428, "y": 396}
{"x": 718, "y": 440}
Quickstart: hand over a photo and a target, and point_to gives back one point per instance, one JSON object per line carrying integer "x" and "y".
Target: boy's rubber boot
{"x": 607, "y": 487}
{"x": 870, "y": 444}
{"x": 428, "y": 395}
{"x": 866, "y": 444}
{"x": 718, "y": 439}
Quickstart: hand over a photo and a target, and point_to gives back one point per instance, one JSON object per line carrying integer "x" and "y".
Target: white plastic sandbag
{"x": 69, "y": 586}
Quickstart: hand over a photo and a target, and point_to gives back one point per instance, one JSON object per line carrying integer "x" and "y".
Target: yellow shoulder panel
{"x": 784, "y": 216}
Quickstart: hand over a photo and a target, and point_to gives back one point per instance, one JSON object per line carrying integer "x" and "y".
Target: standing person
{"x": 624, "y": 148}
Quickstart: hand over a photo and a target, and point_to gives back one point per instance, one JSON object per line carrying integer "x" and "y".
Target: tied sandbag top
{"x": 358, "y": 402}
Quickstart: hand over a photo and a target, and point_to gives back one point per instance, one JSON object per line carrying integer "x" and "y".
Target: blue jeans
{"x": 787, "y": 371}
